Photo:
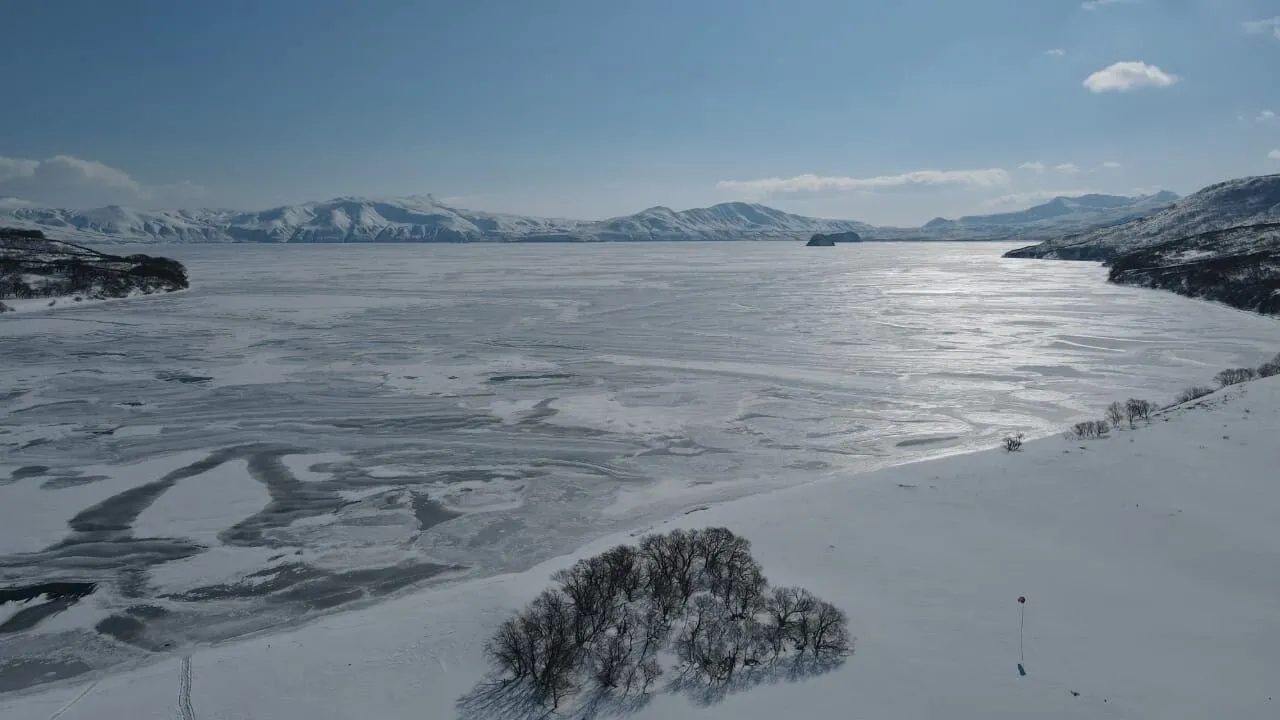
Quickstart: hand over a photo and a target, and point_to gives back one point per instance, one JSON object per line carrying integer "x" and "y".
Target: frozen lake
{"x": 312, "y": 427}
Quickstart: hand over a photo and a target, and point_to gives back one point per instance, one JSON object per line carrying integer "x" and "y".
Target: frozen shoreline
{"x": 1138, "y": 556}
{"x": 48, "y": 305}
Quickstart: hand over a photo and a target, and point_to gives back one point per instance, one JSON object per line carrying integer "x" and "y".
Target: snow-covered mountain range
{"x": 1058, "y": 216}
{"x": 1234, "y": 203}
{"x": 423, "y": 218}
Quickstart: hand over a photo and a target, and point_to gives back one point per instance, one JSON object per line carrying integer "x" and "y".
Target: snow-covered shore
{"x": 1148, "y": 560}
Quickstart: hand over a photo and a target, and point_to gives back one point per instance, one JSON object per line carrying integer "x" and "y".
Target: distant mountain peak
{"x": 425, "y": 218}
{"x": 1221, "y": 206}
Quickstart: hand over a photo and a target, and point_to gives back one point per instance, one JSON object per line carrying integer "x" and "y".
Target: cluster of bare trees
{"x": 1192, "y": 393}
{"x": 1270, "y": 367}
{"x": 1235, "y": 376}
{"x": 696, "y": 595}
{"x": 1229, "y": 377}
{"x": 1117, "y": 414}
{"x": 1090, "y": 429}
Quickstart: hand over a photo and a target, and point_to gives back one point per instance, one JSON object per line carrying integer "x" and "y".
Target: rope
{"x": 1021, "y": 656}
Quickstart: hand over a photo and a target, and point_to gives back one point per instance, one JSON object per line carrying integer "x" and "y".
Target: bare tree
{"x": 1091, "y": 429}
{"x": 624, "y": 572}
{"x": 1135, "y": 409}
{"x": 512, "y": 650}
{"x": 672, "y": 568}
{"x": 785, "y": 607}
{"x": 1013, "y": 443}
{"x": 587, "y": 588}
{"x": 830, "y": 631}
{"x": 1270, "y": 367}
{"x": 613, "y": 652}
{"x": 1116, "y": 413}
{"x": 1234, "y": 376}
{"x": 702, "y": 646}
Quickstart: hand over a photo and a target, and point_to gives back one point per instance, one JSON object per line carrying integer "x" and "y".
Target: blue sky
{"x": 890, "y": 111}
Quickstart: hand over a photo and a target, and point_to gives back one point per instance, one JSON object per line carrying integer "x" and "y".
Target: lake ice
{"x": 315, "y": 427}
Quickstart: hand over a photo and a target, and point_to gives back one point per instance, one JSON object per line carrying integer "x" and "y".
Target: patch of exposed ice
{"x": 202, "y": 506}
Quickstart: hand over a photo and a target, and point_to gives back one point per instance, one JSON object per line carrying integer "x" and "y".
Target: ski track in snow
{"x": 184, "y": 689}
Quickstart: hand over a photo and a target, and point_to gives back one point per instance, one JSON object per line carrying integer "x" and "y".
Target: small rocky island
{"x": 830, "y": 239}
{"x": 34, "y": 267}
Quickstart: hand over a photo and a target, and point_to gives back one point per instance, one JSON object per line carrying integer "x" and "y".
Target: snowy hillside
{"x": 424, "y": 219}
{"x": 1239, "y": 266}
{"x": 1246, "y": 201}
{"x": 1143, "y": 564}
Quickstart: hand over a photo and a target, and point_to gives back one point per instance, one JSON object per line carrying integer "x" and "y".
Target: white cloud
{"x": 1266, "y": 116}
{"x": 74, "y": 182}
{"x": 1112, "y": 165}
{"x": 1055, "y": 52}
{"x": 809, "y": 183}
{"x": 1269, "y": 26}
{"x": 1033, "y": 197}
{"x": 11, "y": 168}
{"x": 1067, "y": 168}
{"x": 1093, "y": 5}
{"x": 1034, "y": 165}
{"x": 1274, "y": 155}
{"x": 1131, "y": 75}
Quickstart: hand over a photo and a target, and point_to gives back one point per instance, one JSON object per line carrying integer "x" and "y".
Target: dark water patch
{"x": 495, "y": 531}
{"x": 430, "y": 513}
{"x": 257, "y": 584}
{"x": 27, "y": 471}
{"x": 26, "y": 672}
{"x": 123, "y": 628}
{"x": 370, "y": 521}
{"x": 323, "y": 596}
{"x": 437, "y": 423}
{"x": 344, "y": 587}
{"x": 1051, "y": 370}
{"x": 146, "y": 612}
{"x": 183, "y": 378}
{"x": 74, "y": 590}
{"x": 12, "y": 395}
{"x": 291, "y": 500}
{"x": 913, "y": 442}
{"x": 62, "y": 405}
{"x": 118, "y": 512}
{"x": 28, "y": 618}
{"x": 61, "y": 482}
{"x": 95, "y": 552}
{"x": 57, "y": 596}
{"x": 540, "y": 412}
{"x": 530, "y": 376}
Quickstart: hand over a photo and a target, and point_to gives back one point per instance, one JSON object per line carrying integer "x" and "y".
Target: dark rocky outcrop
{"x": 1222, "y": 244}
{"x": 830, "y": 239}
{"x": 1238, "y": 266}
{"x": 34, "y": 266}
